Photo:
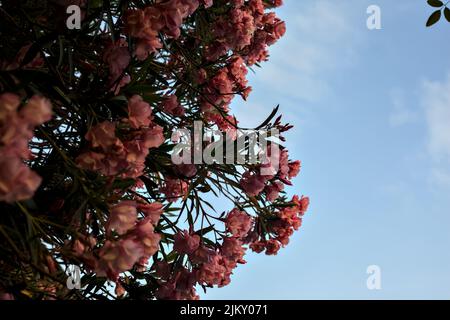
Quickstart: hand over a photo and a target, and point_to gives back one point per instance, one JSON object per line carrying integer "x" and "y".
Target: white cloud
{"x": 320, "y": 40}
{"x": 436, "y": 102}
{"x": 319, "y": 43}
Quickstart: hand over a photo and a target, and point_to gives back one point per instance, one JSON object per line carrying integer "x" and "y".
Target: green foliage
{"x": 437, "y": 14}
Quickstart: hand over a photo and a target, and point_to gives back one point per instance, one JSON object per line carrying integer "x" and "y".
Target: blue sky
{"x": 371, "y": 111}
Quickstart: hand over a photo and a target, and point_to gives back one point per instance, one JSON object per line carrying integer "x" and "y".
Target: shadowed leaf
{"x": 447, "y": 14}
{"x": 435, "y": 16}
{"x": 435, "y": 3}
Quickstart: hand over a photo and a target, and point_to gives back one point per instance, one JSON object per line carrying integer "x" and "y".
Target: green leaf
{"x": 269, "y": 118}
{"x": 208, "y": 242}
{"x": 435, "y": 16}
{"x": 204, "y": 231}
{"x": 435, "y": 3}
{"x": 123, "y": 183}
{"x": 447, "y": 14}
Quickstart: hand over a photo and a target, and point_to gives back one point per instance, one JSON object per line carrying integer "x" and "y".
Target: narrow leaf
{"x": 435, "y": 3}
{"x": 435, "y": 16}
{"x": 447, "y": 14}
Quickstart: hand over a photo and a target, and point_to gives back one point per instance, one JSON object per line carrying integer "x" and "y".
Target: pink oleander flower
{"x": 258, "y": 246}
{"x": 277, "y": 162}
{"x": 279, "y": 29}
{"x": 202, "y": 255}
{"x": 91, "y": 161}
{"x": 15, "y": 134}
{"x": 9, "y": 103}
{"x": 152, "y": 210}
{"x": 253, "y": 184}
{"x": 281, "y": 229}
{"x": 136, "y": 24}
{"x": 172, "y": 18}
{"x": 186, "y": 243}
{"x": 165, "y": 17}
{"x": 38, "y": 110}
{"x": 144, "y": 234}
{"x": 127, "y": 157}
{"x": 284, "y": 164}
{"x": 145, "y": 46}
{"x": 103, "y": 135}
{"x": 116, "y": 257}
{"x": 117, "y": 57}
{"x": 171, "y": 106}
{"x": 238, "y": 72}
{"x": 302, "y": 204}
{"x": 162, "y": 269}
{"x": 272, "y": 247}
{"x": 174, "y": 12}
{"x": 273, "y": 190}
{"x": 139, "y": 112}
{"x": 122, "y": 217}
{"x": 152, "y": 137}
{"x": 135, "y": 152}
{"x": 274, "y": 3}
{"x": 187, "y": 170}
{"x": 181, "y": 286}
{"x": 213, "y": 272}
{"x": 238, "y": 223}
{"x": 232, "y": 249}
{"x": 17, "y": 181}
{"x": 217, "y": 269}
{"x": 126, "y": 79}
{"x": 174, "y": 189}
{"x": 294, "y": 169}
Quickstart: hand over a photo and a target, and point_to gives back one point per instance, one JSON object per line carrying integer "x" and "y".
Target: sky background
{"x": 371, "y": 111}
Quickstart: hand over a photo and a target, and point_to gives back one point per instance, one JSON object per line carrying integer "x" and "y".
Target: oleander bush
{"x": 90, "y": 118}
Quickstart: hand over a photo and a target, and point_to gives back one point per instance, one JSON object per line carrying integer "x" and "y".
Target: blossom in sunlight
{"x": 145, "y": 235}
{"x": 186, "y": 243}
{"x": 152, "y": 210}
{"x": 116, "y": 257}
{"x": 122, "y": 217}
{"x": 238, "y": 223}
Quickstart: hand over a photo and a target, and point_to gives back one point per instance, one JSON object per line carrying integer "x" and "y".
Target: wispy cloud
{"x": 436, "y": 103}
{"x": 320, "y": 39}
{"x": 320, "y": 42}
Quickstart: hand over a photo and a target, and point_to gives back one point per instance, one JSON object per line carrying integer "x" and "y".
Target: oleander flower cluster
{"x": 17, "y": 123}
{"x": 88, "y": 119}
